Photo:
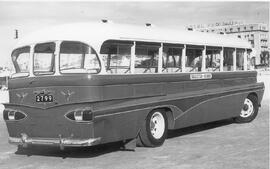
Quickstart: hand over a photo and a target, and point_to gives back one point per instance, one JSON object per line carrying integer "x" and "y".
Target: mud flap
{"x": 130, "y": 145}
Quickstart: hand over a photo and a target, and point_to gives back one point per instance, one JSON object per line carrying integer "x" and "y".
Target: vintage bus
{"x": 85, "y": 84}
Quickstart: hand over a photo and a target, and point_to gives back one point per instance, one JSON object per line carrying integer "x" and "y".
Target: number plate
{"x": 44, "y": 98}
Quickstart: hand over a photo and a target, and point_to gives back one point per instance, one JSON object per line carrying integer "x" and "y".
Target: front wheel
{"x": 154, "y": 130}
{"x": 249, "y": 110}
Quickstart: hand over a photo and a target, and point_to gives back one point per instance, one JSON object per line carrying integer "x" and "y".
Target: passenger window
{"x": 146, "y": 58}
{"x": 171, "y": 59}
{"x": 212, "y": 60}
{"x": 193, "y": 60}
{"x": 77, "y": 57}
{"x": 228, "y": 59}
{"x": 116, "y": 56}
{"x": 240, "y": 59}
{"x": 250, "y": 60}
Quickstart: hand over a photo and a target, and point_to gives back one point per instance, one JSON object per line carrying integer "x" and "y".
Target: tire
{"x": 154, "y": 130}
{"x": 249, "y": 110}
{"x": 21, "y": 149}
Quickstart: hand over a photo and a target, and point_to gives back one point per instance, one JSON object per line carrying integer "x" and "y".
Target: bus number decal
{"x": 44, "y": 98}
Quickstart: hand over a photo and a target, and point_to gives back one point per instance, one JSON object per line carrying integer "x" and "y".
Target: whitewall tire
{"x": 154, "y": 130}
{"x": 249, "y": 110}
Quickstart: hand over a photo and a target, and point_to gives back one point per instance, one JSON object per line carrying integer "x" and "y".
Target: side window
{"x": 77, "y": 57}
{"x": 91, "y": 62}
{"x": 212, "y": 60}
{"x": 44, "y": 58}
{"x": 116, "y": 56}
{"x": 228, "y": 59}
{"x": 171, "y": 59}
{"x": 146, "y": 60}
{"x": 193, "y": 60}
{"x": 250, "y": 60}
{"x": 240, "y": 59}
{"x": 21, "y": 58}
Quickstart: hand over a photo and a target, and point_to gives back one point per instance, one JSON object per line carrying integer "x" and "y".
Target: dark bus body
{"x": 120, "y": 103}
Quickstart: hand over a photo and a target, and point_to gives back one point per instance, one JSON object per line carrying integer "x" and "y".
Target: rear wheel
{"x": 154, "y": 130}
{"x": 21, "y": 149}
{"x": 249, "y": 110}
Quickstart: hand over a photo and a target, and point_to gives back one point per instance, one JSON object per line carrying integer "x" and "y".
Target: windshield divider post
{"x": 234, "y": 59}
{"x": 183, "y": 59}
{"x": 57, "y": 57}
{"x": 31, "y": 64}
{"x": 160, "y": 51}
{"x": 203, "y": 59}
{"x": 245, "y": 59}
{"x": 221, "y": 59}
{"x": 132, "y": 58}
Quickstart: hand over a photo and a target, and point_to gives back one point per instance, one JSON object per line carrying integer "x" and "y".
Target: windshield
{"x": 76, "y": 57}
{"x": 44, "y": 58}
{"x": 21, "y": 58}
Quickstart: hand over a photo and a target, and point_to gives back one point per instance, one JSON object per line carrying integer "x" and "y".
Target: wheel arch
{"x": 255, "y": 95}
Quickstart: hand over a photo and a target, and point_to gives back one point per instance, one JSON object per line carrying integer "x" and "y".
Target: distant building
{"x": 256, "y": 33}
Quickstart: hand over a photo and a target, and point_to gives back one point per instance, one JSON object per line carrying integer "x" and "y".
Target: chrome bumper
{"x": 62, "y": 142}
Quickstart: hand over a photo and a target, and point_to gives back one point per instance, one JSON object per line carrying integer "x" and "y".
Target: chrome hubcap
{"x": 248, "y": 108}
{"x": 157, "y": 125}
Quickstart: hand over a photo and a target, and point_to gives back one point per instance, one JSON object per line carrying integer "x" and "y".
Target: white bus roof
{"x": 96, "y": 33}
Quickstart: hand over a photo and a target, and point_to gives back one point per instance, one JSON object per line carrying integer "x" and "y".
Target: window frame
{"x": 90, "y": 47}
{"x": 118, "y": 44}
{"x": 240, "y": 54}
{"x": 211, "y": 51}
{"x": 154, "y": 46}
{"x": 174, "y": 47}
{"x": 17, "y": 65}
{"x": 52, "y": 63}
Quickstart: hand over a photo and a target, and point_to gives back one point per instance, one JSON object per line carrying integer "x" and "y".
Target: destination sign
{"x": 200, "y": 76}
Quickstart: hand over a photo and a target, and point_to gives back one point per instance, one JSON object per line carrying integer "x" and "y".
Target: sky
{"x": 31, "y": 16}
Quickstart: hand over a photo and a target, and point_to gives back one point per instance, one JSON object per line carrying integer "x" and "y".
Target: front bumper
{"x": 62, "y": 142}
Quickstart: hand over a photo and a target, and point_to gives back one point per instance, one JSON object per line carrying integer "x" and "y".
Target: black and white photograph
{"x": 134, "y": 84}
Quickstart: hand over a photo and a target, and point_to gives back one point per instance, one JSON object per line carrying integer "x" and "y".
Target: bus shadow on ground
{"x": 71, "y": 152}
{"x": 99, "y": 150}
{"x": 198, "y": 128}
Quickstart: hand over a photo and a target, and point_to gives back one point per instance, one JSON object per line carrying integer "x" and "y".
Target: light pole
{"x": 16, "y": 34}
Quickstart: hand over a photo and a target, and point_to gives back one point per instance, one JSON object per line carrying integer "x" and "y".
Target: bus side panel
{"x": 260, "y": 92}
{"x": 120, "y": 126}
{"x": 123, "y": 119}
{"x": 212, "y": 110}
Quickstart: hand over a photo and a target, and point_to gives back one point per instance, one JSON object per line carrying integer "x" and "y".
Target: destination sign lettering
{"x": 200, "y": 76}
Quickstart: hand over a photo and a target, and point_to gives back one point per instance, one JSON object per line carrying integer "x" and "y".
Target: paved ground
{"x": 218, "y": 145}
